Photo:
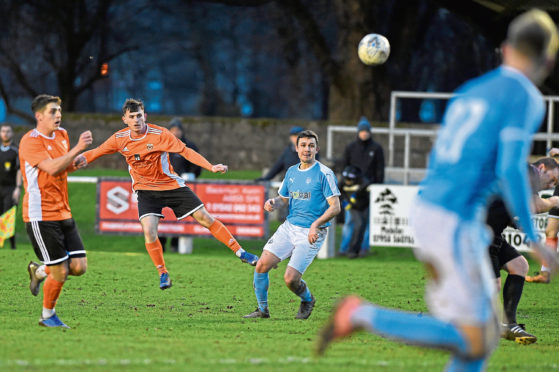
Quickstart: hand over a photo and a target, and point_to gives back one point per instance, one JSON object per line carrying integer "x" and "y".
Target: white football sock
{"x": 239, "y": 252}
{"x": 47, "y": 313}
{"x": 40, "y": 273}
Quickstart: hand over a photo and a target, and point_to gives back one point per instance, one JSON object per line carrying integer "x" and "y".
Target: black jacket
{"x": 367, "y": 156}
{"x": 180, "y": 164}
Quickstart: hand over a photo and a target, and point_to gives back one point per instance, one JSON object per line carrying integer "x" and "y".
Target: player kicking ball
{"x": 310, "y": 188}
{"x": 146, "y": 148}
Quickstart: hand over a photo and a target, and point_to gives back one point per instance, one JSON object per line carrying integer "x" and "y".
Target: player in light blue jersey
{"x": 480, "y": 153}
{"x": 313, "y": 196}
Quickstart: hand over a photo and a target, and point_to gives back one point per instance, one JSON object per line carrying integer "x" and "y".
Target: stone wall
{"x": 247, "y": 144}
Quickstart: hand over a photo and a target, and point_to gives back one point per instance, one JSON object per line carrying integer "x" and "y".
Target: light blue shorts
{"x": 293, "y": 241}
{"x": 465, "y": 291}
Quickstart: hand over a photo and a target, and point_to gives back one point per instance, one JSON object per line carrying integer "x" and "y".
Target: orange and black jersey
{"x": 148, "y": 157}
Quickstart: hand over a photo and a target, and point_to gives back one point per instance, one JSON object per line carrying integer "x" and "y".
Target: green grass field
{"x": 121, "y": 320}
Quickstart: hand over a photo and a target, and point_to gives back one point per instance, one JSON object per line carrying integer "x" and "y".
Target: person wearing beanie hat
{"x": 287, "y": 158}
{"x": 368, "y": 156}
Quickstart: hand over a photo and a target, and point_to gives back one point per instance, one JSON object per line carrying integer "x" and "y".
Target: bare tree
{"x": 59, "y": 46}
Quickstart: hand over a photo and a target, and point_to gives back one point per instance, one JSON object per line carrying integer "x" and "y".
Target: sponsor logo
{"x": 137, "y": 156}
{"x": 300, "y": 195}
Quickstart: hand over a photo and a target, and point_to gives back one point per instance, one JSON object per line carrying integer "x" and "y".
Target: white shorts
{"x": 293, "y": 241}
{"x": 465, "y": 291}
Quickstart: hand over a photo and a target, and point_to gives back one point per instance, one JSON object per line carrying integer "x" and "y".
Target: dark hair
{"x": 307, "y": 134}
{"x": 42, "y": 100}
{"x": 549, "y": 163}
{"x": 534, "y": 34}
{"x": 132, "y": 105}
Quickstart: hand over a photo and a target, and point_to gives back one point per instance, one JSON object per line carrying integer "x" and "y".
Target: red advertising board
{"x": 238, "y": 205}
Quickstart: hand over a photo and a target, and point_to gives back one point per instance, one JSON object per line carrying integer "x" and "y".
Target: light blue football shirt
{"x": 483, "y": 146}
{"x": 307, "y": 191}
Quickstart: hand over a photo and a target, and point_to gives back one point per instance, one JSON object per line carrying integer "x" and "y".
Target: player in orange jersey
{"x": 45, "y": 159}
{"x": 146, "y": 148}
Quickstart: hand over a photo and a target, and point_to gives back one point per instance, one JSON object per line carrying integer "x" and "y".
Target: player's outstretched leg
{"x": 155, "y": 251}
{"x": 36, "y": 276}
{"x": 222, "y": 233}
{"x": 353, "y": 314}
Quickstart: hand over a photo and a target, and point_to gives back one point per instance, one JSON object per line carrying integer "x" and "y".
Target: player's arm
{"x": 274, "y": 203}
{"x": 173, "y": 144}
{"x": 544, "y": 205}
{"x": 106, "y": 148}
{"x": 19, "y": 183}
{"x": 334, "y": 209}
{"x": 61, "y": 163}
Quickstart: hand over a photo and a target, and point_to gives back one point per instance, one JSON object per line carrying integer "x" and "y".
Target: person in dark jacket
{"x": 355, "y": 200}
{"x": 182, "y": 167}
{"x": 368, "y": 156}
{"x": 180, "y": 164}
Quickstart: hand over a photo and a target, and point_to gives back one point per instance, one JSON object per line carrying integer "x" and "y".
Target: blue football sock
{"x": 261, "y": 284}
{"x": 411, "y": 328}
{"x": 304, "y": 292}
{"x": 458, "y": 364}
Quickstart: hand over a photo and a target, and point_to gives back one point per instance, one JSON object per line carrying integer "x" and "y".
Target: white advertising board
{"x": 390, "y": 207}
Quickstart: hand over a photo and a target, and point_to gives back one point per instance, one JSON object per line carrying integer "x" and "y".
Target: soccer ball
{"x": 373, "y": 49}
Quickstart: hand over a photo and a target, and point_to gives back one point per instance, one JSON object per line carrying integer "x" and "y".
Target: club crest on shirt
{"x": 7, "y": 165}
{"x": 308, "y": 180}
{"x": 136, "y": 156}
{"x": 290, "y": 180}
{"x": 150, "y": 146}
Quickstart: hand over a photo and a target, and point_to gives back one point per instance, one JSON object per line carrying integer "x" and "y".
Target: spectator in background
{"x": 182, "y": 167}
{"x": 368, "y": 156}
{"x": 10, "y": 175}
{"x": 288, "y": 157}
{"x": 355, "y": 201}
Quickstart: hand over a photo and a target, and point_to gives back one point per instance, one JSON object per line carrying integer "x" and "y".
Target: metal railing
{"x": 407, "y": 133}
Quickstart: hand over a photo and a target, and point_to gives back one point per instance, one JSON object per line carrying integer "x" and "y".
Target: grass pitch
{"x": 121, "y": 320}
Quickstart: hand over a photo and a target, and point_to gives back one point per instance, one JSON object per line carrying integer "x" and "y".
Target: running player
{"x": 480, "y": 153}
{"x": 310, "y": 189}
{"x": 544, "y": 174}
{"x": 146, "y": 148}
{"x": 45, "y": 158}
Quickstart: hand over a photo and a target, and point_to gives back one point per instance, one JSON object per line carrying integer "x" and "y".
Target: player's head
{"x": 175, "y": 127}
{"x": 531, "y": 44}
{"x": 548, "y": 173}
{"x": 307, "y": 146}
{"x": 47, "y": 110}
{"x": 133, "y": 115}
{"x": 363, "y": 129}
{"x": 6, "y": 133}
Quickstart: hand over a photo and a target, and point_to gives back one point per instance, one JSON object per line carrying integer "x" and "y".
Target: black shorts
{"x": 501, "y": 252}
{"x": 55, "y": 241}
{"x": 554, "y": 212}
{"x": 182, "y": 201}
